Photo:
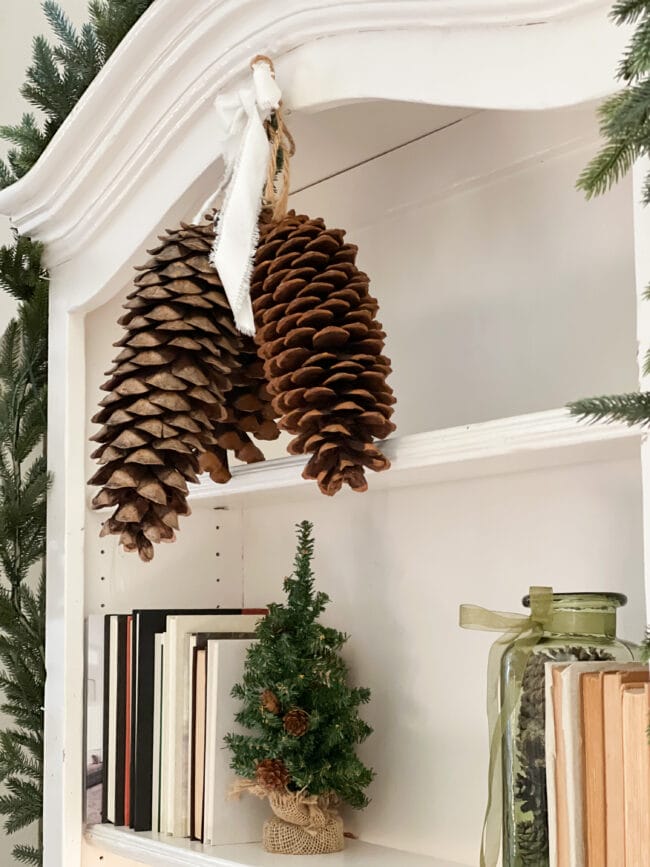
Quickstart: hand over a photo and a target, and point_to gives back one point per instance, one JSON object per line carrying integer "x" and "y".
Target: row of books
{"x": 598, "y": 764}
{"x": 166, "y": 707}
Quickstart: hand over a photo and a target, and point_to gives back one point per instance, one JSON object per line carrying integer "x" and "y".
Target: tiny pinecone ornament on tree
{"x": 184, "y": 389}
{"x": 304, "y": 721}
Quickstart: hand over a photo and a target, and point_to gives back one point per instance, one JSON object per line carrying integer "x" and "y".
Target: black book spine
{"x": 134, "y": 715}
{"x": 143, "y": 714}
{"x": 107, "y": 674}
{"x": 120, "y": 748}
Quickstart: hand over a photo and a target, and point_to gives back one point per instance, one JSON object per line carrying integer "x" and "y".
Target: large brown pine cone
{"x": 168, "y": 393}
{"x": 272, "y": 774}
{"x": 322, "y": 349}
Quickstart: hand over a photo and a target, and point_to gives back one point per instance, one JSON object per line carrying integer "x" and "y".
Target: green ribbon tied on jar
{"x": 527, "y": 630}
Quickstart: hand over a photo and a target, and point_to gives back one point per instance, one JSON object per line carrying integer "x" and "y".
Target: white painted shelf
{"x": 161, "y": 851}
{"x": 513, "y": 444}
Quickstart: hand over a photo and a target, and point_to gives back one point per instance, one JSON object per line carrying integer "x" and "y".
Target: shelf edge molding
{"x": 160, "y": 851}
{"x": 515, "y": 437}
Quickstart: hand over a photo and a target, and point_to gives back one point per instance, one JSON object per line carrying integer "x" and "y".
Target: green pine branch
{"x": 27, "y": 855}
{"x": 60, "y": 73}
{"x": 629, "y": 11}
{"x": 624, "y": 117}
{"x": 625, "y": 127}
{"x": 632, "y": 408}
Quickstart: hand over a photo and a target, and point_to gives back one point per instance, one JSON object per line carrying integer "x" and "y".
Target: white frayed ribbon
{"x": 245, "y": 147}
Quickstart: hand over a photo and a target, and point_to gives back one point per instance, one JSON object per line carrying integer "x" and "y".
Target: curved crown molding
{"x": 143, "y": 133}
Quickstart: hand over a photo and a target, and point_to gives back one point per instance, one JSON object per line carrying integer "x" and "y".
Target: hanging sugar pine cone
{"x": 296, "y": 722}
{"x": 248, "y": 411}
{"x": 166, "y": 401}
{"x": 270, "y": 702}
{"x": 322, "y": 349}
{"x": 272, "y": 774}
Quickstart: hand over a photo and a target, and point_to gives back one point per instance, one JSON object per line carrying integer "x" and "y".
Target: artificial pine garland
{"x": 61, "y": 73}
{"x": 23, "y": 490}
{"x": 625, "y": 125}
{"x": 58, "y": 76}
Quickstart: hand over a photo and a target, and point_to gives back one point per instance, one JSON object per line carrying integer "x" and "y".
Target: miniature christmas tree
{"x": 303, "y": 714}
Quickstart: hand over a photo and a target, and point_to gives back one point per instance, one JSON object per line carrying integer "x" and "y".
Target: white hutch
{"x": 446, "y": 137}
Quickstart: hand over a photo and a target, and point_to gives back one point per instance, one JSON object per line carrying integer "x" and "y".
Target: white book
{"x": 226, "y": 821}
{"x": 177, "y": 687}
{"x": 112, "y": 722}
{"x": 157, "y": 727}
{"x": 190, "y": 716}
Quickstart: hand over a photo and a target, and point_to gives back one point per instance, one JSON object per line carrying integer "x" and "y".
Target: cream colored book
{"x": 177, "y": 699}
{"x": 226, "y": 821}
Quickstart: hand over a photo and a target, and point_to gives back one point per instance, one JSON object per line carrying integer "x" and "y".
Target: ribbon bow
{"x": 528, "y": 629}
{"x": 241, "y": 118}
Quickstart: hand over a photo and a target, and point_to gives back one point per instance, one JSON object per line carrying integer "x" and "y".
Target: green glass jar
{"x": 581, "y": 626}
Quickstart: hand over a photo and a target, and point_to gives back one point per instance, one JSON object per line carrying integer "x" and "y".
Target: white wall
{"x": 20, "y": 21}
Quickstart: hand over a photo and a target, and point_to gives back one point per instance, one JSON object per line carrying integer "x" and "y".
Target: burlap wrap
{"x": 304, "y": 824}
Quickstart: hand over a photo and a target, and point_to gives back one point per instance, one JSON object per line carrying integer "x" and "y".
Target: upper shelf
{"x": 506, "y": 445}
{"x": 160, "y": 851}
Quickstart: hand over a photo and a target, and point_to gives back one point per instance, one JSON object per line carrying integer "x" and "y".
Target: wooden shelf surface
{"x": 513, "y": 444}
{"x": 161, "y": 851}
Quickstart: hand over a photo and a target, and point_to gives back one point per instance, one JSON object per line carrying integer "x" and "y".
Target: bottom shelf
{"x": 162, "y": 851}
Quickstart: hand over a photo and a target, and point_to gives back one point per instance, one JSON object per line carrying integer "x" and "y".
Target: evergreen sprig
{"x": 632, "y": 408}
{"x": 625, "y": 126}
{"x": 298, "y": 660}
{"x": 23, "y": 491}
{"x": 624, "y": 117}
{"x": 59, "y": 74}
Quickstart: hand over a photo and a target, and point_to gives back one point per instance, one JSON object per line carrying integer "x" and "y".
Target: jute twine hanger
{"x": 275, "y": 197}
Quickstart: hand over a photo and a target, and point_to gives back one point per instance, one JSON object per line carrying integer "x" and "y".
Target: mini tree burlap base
{"x": 283, "y": 838}
{"x": 303, "y": 824}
